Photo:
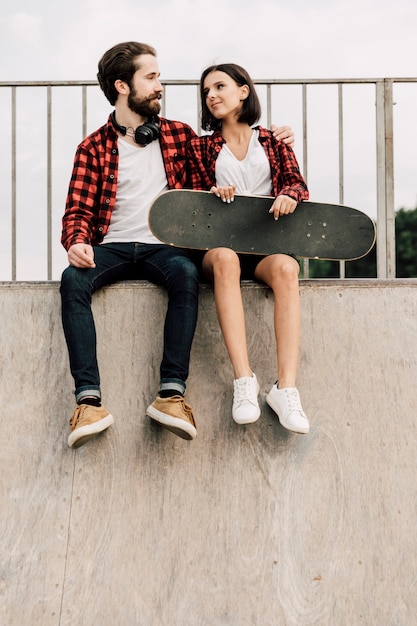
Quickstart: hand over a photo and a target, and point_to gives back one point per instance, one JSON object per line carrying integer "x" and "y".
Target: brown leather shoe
{"x": 175, "y": 414}
{"x": 86, "y": 422}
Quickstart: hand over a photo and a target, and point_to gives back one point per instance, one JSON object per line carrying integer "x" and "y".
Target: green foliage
{"x": 406, "y": 243}
{"x": 406, "y": 254}
{"x": 362, "y": 268}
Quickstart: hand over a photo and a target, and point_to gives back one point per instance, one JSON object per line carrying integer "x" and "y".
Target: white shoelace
{"x": 293, "y": 398}
{"x": 245, "y": 390}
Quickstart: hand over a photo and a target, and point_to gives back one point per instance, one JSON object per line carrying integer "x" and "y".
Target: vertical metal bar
{"x": 306, "y": 267}
{"x": 341, "y": 145}
{"x": 342, "y": 264}
{"x": 304, "y": 106}
{"x": 84, "y": 111}
{"x": 49, "y": 181}
{"x": 385, "y": 181}
{"x": 163, "y": 102}
{"x": 199, "y": 110}
{"x": 389, "y": 177}
{"x": 14, "y": 175}
{"x": 268, "y": 106}
{"x": 380, "y": 180}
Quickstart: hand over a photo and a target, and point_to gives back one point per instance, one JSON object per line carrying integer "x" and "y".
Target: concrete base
{"x": 243, "y": 526}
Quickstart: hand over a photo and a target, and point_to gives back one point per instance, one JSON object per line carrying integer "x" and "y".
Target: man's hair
{"x": 251, "y": 107}
{"x": 120, "y": 63}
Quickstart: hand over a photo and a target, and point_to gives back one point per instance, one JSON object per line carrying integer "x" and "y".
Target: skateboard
{"x": 199, "y": 220}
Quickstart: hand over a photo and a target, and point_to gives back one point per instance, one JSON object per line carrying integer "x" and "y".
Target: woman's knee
{"x": 290, "y": 267}
{"x": 280, "y": 267}
{"x": 222, "y": 261}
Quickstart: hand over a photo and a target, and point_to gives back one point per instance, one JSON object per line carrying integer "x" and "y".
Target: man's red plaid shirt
{"x": 92, "y": 189}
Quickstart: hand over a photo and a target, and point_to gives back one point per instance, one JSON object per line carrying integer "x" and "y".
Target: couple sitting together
{"x": 118, "y": 171}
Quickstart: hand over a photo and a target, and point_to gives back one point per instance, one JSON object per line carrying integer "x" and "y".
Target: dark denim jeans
{"x": 161, "y": 264}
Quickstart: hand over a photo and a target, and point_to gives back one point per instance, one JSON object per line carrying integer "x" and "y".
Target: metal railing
{"x": 37, "y": 108}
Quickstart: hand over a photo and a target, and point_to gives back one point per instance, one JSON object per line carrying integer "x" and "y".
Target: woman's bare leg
{"x": 222, "y": 266}
{"x": 280, "y": 272}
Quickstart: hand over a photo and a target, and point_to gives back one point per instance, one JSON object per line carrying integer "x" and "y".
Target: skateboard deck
{"x": 200, "y": 220}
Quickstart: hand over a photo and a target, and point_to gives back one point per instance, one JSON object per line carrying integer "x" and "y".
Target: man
{"x": 118, "y": 170}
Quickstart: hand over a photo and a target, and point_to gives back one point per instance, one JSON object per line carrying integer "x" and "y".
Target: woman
{"x": 237, "y": 158}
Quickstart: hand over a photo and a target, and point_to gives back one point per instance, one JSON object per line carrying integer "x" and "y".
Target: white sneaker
{"x": 287, "y": 405}
{"x": 245, "y": 409}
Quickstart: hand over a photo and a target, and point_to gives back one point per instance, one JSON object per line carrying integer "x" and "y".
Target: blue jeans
{"x": 163, "y": 265}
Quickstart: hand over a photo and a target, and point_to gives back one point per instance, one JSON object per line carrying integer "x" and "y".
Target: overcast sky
{"x": 49, "y": 40}
{"x": 298, "y": 39}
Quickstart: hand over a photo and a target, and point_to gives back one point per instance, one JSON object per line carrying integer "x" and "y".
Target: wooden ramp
{"x": 243, "y": 526}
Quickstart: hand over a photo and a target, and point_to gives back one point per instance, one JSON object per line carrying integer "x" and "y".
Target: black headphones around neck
{"x": 144, "y": 134}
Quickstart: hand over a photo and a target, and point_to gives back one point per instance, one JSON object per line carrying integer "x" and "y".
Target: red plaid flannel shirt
{"x": 202, "y": 153}
{"x": 92, "y": 189}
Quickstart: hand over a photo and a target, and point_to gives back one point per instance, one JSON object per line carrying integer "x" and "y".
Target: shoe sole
{"x": 300, "y": 431}
{"x": 81, "y": 435}
{"x": 251, "y": 420}
{"x": 179, "y": 427}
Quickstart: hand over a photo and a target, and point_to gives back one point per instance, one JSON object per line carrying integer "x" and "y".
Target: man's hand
{"x": 81, "y": 255}
{"x": 283, "y": 205}
{"x": 285, "y": 133}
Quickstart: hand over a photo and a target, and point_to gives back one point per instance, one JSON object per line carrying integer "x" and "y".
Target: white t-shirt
{"x": 252, "y": 175}
{"x": 141, "y": 177}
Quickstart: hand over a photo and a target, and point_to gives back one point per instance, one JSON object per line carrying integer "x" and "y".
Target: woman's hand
{"x": 283, "y": 205}
{"x": 226, "y": 194}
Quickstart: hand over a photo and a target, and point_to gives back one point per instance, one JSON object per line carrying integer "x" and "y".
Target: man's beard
{"x": 146, "y": 107}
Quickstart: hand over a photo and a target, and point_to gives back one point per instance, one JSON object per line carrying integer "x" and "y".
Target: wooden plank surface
{"x": 245, "y": 525}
